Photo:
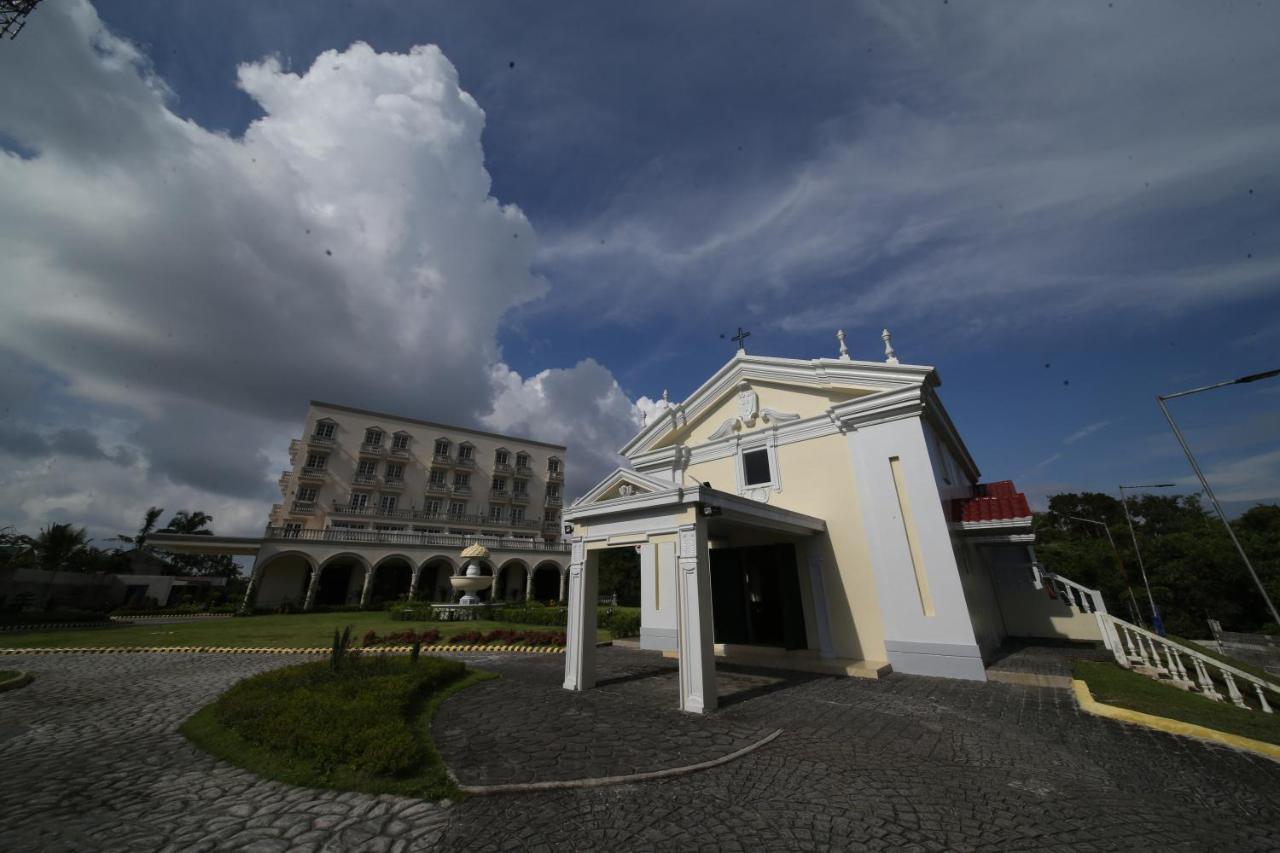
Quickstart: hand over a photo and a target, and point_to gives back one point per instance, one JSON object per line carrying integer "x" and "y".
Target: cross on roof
{"x": 741, "y": 339}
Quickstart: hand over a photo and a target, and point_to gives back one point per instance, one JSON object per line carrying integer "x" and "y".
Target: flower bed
{"x": 430, "y": 636}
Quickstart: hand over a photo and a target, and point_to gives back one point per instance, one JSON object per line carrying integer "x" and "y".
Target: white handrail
{"x": 1138, "y": 648}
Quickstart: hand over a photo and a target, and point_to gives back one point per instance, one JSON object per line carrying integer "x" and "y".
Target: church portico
{"x": 719, "y": 574}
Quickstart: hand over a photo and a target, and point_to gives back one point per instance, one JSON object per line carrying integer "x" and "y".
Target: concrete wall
{"x": 1031, "y": 612}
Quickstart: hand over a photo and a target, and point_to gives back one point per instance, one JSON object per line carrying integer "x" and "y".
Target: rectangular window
{"x": 388, "y": 503}
{"x": 502, "y": 457}
{"x": 346, "y": 525}
{"x": 317, "y": 460}
{"x": 388, "y": 527}
{"x": 437, "y": 477}
{"x": 400, "y": 442}
{"x": 359, "y": 500}
{"x": 461, "y": 480}
{"x": 520, "y": 487}
{"x": 373, "y": 437}
{"x": 517, "y": 513}
{"x": 431, "y": 506}
{"x": 442, "y": 447}
{"x": 367, "y": 467}
{"x": 466, "y": 451}
{"x": 292, "y": 529}
{"x": 324, "y": 429}
{"x": 553, "y": 491}
{"x": 553, "y": 466}
{"x": 457, "y": 509}
{"x": 755, "y": 467}
{"x": 395, "y": 471}
{"x": 495, "y": 512}
{"x": 522, "y": 460}
{"x": 307, "y": 493}
{"x": 499, "y": 484}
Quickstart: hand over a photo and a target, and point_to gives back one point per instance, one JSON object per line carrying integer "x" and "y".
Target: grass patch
{"x": 1209, "y": 651}
{"x": 363, "y": 728}
{"x": 292, "y": 631}
{"x": 1117, "y": 686}
{"x": 6, "y": 674}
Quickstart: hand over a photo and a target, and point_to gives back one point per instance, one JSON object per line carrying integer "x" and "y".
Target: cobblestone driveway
{"x": 90, "y": 760}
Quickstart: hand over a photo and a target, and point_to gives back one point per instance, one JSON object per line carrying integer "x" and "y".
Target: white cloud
{"x": 198, "y": 289}
{"x": 1085, "y": 431}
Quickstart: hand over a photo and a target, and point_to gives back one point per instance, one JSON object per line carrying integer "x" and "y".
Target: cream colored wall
{"x": 1030, "y": 612}
{"x": 806, "y": 404}
{"x": 817, "y": 479}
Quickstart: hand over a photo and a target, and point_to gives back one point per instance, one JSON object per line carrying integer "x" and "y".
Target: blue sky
{"x": 1066, "y": 208}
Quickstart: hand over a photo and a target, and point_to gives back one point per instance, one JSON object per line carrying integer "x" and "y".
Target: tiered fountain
{"x": 473, "y": 579}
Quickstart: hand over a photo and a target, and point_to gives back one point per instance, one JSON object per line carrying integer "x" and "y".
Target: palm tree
{"x": 139, "y": 540}
{"x": 190, "y": 523}
{"x": 58, "y": 544}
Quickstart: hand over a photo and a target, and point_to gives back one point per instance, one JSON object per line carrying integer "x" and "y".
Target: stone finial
{"x": 644, "y": 419}
{"x": 665, "y": 398}
{"x": 890, "y": 356}
{"x": 844, "y": 350}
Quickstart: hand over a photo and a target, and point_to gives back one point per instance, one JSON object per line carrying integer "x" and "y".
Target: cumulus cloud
{"x": 198, "y": 289}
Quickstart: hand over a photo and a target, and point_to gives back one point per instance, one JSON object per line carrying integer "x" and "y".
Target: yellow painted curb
{"x": 242, "y": 650}
{"x": 1084, "y": 698}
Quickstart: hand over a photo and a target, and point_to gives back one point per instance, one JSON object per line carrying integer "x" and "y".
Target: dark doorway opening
{"x": 620, "y": 577}
{"x": 755, "y": 596}
{"x": 335, "y": 581}
{"x": 546, "y": 584}
{"x": 390, "y": 581}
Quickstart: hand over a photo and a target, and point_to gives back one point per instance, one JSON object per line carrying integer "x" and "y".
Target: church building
{"x": 822, "y": 515}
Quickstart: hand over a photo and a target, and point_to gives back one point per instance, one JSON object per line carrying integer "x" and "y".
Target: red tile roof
{"x": 991, "y": 502}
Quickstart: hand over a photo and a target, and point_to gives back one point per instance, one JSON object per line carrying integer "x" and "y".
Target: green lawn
{"x": 1115, "y": 685}
{"x": 293, "y": 631}
{"x": 378, "y": 740}
{"x": 6, "y": 674}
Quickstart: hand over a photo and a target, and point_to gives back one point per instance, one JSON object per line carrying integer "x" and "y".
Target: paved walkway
{"x": 90, "y": 760}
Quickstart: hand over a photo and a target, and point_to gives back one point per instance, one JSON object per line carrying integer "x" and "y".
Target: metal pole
{"x": 1195, "y": 466}
{"x": 1135, "y": 611}
{"x": 1156, "y": 621}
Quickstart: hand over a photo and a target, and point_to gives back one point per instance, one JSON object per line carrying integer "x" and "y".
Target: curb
{"x": 626, "y": 779}
{"x": 53, "y": 626}
{"x": 22, "y": 679}
{"x": 1084, "y": 698}
{"x": 125, "y": 619}
{"x": 255, "y": 650}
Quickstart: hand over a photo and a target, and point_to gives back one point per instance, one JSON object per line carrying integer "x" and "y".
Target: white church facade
{"x": 818, "y": 514}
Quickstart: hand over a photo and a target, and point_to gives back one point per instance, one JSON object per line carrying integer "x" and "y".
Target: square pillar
{"x": 311, "y": 589}
{"x": 826, "y": 649}
{"x": 580, "y": 639}
{"x": 366, "y": 586}
{"x": 695, "y": 648}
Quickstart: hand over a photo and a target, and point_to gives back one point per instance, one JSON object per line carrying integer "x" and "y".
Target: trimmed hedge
{"x": 52, "y": 617}
{"x": 359, "y": 718}
{"x": 183, "y": 610}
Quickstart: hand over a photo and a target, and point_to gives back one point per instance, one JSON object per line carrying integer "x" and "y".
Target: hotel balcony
{"x": 311, "y": 474}
{"x": 284, "y": 481}
{"x": 466, "y": 462}
{"x": 303, "y": 508}
{"x": 555, "y": 476}
{"x": 499, "y": 494}
{"x": 524, "y": 471}
{"x": 399, "y": 452}
{"x": 295, "y": 445}
{"x": 320, "y": 441}
{"x": 406, "y": 537}
{"x": 276, "y": 509}
{"x": 438, "y": 487}
{"x": 367, "y": 449}
{"x": 502, "y": 468}
{"x": 442, "y": 459}
{"x": 461, "y": 490}
{"x": 520, "y": 497}
{"x": 365, "y": 480}
{"x": 554, "y": 500}
{"x": 550, "y": 526}
{"x": 394, "y": 483}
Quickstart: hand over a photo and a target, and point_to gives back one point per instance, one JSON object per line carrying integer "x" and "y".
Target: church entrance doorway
{"x": 755, "y": 596}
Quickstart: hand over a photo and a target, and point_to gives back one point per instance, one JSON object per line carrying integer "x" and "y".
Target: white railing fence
{"x": 1157, "y": 657}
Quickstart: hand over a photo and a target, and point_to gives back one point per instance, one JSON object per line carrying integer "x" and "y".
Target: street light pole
{"x": 1133, "y": 602}
{"x": 1156, "y": 621}
{"x": 1195, "y": 466}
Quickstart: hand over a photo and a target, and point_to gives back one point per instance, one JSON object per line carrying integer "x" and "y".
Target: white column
{"x": 826, "y": 648}
{"x": 528, "y": 584}
{"x": 580, "y": 639}
{"x": 368, "y": 584}
{"x": 564, "y": 575}
{"x": 694, "y": 626}
{"x": 311, "y": 589}
{"x": 249, "y": 588}
{"x": 413, "y": 582}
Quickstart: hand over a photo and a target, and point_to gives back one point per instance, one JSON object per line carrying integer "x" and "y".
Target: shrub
{"x": 359, "y": 717}
{"x": 621, "y": 623}
{"x": 557, "y": 616}
{"x": 51, "y": 617}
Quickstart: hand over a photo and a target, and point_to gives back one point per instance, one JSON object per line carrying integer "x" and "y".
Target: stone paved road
{"x": 90, "y": 760}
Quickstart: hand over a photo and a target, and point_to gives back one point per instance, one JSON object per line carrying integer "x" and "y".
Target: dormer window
{"x": 442, "y": 447}
{"x": 325, "y": 429}
{"x": 522, "y": 460}
{"x": 553, "y": 466}
{"x": 466, "y": 452}
{"x": 373, "y": 437}
{"x": 502, "y": 457}
{"x": 400, "y": 441}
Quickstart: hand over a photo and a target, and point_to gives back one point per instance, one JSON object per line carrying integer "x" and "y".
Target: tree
{"x": 60, "y": 546}
{"x": 139, "y": 539}
{"x": 190, "y": 523}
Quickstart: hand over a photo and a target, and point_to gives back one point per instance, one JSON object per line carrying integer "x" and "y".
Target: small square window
{"x": 755, "y": 468}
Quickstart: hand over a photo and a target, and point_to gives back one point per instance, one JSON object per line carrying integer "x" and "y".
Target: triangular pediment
{"x": 755, "y": 392}
{"x": 622, "y": 483}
